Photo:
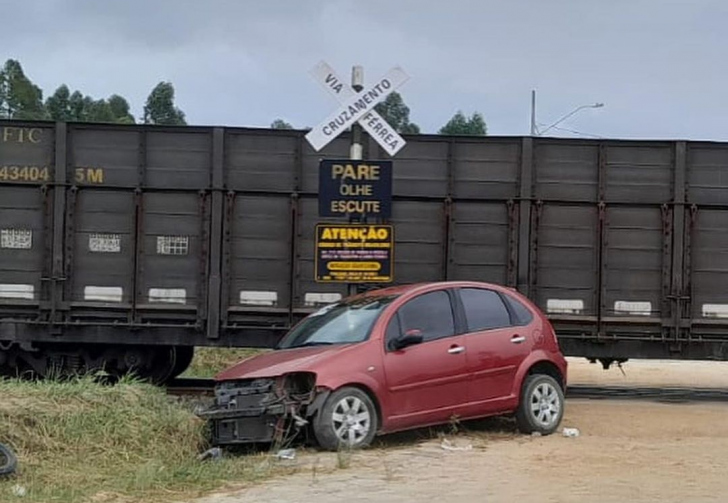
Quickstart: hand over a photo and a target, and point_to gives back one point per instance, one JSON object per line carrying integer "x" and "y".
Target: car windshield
{"x": 341, "y": 323}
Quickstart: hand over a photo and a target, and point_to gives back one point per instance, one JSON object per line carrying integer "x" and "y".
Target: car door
{"x": 497, "y": 341}
{"x": 426, "y": 382}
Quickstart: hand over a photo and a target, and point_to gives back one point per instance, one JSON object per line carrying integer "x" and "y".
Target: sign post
{"x": 358, "y": 189}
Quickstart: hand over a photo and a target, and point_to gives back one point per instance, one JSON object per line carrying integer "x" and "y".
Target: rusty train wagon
{"x": 127, "y": 246}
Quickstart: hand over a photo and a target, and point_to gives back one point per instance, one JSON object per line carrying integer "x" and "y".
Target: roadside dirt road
{"x": 627, "y": 451}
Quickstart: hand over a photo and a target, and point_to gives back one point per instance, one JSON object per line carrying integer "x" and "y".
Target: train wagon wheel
{"x": 161, "y": 365}
{"x": 183, "y": 358}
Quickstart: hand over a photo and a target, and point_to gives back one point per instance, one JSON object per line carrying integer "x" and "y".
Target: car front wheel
{"x": 348, "y": 419}
{"x": 542, "y": 405}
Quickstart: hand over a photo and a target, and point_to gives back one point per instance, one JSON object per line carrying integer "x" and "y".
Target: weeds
{"x": 209, "y": 361}
{"x": 78, "y": 440}
{"x": 343, "y": 457}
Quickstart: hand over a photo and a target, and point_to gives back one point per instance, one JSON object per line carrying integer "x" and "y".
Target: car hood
{"x": 282, "y": 361}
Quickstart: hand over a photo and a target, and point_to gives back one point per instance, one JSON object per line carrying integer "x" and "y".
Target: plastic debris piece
{"x": 449, "y": 446}
{"x": 286, "y": 454}
{"x": 19, "y": 490}
{"x": 215, "y": 453}
{"x": 536, "y": 434}
{"x": 570, "y": 432}
{"x": 300, "y": 422}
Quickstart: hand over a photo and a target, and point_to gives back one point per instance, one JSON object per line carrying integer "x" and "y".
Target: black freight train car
{"x": 128, "y": 245}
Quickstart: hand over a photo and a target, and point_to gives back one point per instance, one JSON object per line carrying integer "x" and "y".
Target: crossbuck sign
{"x": 357, "y": 107}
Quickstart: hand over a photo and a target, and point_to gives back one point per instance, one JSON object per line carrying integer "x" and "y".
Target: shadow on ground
{"x": 492, "y": 428}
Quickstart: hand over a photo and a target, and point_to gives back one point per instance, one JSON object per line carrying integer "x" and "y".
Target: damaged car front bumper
{"x": 262, "y": 410}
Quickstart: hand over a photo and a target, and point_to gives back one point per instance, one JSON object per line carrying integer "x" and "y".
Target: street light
{"x": 534, "y": 131}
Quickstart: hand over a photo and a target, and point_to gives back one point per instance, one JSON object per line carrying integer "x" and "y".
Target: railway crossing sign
{"x": 357, "y": 107}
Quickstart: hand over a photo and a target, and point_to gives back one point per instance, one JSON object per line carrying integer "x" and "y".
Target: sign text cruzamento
{"x": 377, "y": 126}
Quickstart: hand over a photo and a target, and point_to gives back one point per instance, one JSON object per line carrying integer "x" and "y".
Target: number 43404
{"x": 24, "y": 174}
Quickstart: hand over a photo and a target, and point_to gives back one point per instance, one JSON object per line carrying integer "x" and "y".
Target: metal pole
{"x": 533, "y": 112}
{"x": 357, "y": 83}
{"x": 355, "y": 153}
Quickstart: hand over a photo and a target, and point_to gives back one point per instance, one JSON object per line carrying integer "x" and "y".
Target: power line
{"x": 573, "y": 131}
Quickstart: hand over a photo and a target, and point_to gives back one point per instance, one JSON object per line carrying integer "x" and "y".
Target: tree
{"x": 160, "y": 107}
{"x": 77, "y": 105}
{"x": 63, "y": 106}
{"x": 396, "y": 113}
{"x": 460, "y": 125}
{"x": 120, "y": 110}
{"x": 97, "y": 111}
{"x": 19, "y": 98}
{"x": 58, "y": 105}
{"x": 280, "y": 124}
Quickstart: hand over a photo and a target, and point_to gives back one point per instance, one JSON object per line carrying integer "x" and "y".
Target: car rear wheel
{"x": 348, "y": 419}
{"x": 542, "y": 405}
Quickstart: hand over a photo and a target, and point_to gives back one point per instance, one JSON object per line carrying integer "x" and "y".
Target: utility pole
{"x": 533, "y": 112}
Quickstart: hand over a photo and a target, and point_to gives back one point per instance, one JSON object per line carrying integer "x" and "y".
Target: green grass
{"x": 209, "y": 361}
{"x": 81, "y": 441}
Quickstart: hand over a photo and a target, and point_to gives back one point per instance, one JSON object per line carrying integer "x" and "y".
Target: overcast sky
{"x": 659, "y": 66}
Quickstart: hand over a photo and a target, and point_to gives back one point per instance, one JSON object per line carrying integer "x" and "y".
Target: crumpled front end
{"x": 261, "y": 410}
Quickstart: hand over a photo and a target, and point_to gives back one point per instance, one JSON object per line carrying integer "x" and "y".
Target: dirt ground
{"x": 627, "y": 451}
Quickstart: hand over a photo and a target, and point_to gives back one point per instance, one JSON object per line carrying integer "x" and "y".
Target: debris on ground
{"x": 450, "y": 446}
{"x": 215, "y": 453}
{"x": 19, "y": 490}
{"x": 536, "y": 434}
{"x": 286, "y": 454}
{"x": 570, "y": 432}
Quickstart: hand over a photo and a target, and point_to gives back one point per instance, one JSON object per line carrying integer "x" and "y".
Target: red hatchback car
{"x": 395, "y": 359}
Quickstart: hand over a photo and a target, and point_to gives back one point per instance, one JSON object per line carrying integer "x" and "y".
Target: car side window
{"x": 522, "y": 314}
{"x": 394, "y": 330}
{"x": 430, "y": 313}
{"x": 484, "y": 309}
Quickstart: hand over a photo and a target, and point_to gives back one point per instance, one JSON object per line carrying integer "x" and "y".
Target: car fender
{"x": 361, "y": 380}
{"x": 535, "y": 357}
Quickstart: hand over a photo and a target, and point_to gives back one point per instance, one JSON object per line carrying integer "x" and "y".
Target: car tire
{"x": 541, "y": 406}
{"x": 8, "y": 460}
{"x": 348, "y": 419}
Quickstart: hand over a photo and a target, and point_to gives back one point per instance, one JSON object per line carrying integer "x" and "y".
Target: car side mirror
{"x": 410, "y": 338}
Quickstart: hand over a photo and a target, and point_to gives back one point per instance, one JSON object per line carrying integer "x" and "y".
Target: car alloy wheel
{"x": 545, "y": 404}
{"x": 351, "y": 420}
{"x": 541, "y": 406}
{"x": 348, "y": 419}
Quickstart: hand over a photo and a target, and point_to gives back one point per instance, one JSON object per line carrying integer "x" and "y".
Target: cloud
{"x": 654, "y": 63}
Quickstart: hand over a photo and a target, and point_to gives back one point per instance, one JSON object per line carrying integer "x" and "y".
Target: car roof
{"x": 403, "y": 289}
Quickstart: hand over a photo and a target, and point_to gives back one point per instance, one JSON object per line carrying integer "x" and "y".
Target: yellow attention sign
{"x": 354, "y": 253}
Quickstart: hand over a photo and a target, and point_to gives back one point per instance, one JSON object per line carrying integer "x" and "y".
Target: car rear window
{"x": 522, "y": 313}
{"x": 484, "y": 309}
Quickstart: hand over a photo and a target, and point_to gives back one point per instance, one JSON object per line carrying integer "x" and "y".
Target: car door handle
{"x": 455, "y": 350}
{"x": 517, "y": 339}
